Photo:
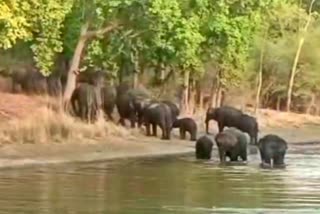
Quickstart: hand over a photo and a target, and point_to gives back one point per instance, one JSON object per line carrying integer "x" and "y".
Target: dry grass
{"x": 46, "y": 125}
{"x": 272, "y": 118}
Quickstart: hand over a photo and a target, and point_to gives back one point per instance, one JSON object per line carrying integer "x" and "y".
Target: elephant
{"x": 232, "y": 117}
{"x": 158, "y": 114}
{"x": 36, "y": 83}
{"x": 186, "y": 125}
{"x": 139, "y": 103}
{"x": 30, "y": 81}
{"x": 127, "y": 102}
{"x": 272, "y": 147}
{"x": 54, "y": 85}
{"x": 204, "y": 148}
{"x": 18, "y": 77}
{"x": 108, "y": 98}
{"x": 231, "y": 143}
{"x": 174, "y": 108}
{"x": 96, "y": 78}
{"x": 86, "y": 101}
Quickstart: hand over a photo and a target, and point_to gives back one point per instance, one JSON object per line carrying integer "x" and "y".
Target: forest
{"x": 262, "y": 54}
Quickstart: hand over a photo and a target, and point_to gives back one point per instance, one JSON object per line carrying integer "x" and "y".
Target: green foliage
{"x": 14, "y": 24}
{"x": 182, "y": 35}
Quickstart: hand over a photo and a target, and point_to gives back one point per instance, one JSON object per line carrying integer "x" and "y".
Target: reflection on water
{"x": 167, "y": 185}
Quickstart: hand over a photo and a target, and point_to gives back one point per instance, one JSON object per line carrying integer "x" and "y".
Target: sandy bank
{"x": 19, "y": 155}
{"x": 22, "y": 155}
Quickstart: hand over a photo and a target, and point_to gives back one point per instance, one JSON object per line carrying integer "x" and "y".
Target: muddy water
{"x": 166, "y": 185}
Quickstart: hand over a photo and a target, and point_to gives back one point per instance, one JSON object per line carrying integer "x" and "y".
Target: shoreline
{"x": 13, "y": 156}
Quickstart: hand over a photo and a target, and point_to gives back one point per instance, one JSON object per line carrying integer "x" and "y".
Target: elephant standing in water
{"x": 272, "y": 147}
{"x": 204, "y": 148}
{"x": 227, "y": 116}
{"x": 231, "y": 143}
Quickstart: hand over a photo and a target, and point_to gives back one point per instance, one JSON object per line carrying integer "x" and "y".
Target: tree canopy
{"x": 177, "y": 35}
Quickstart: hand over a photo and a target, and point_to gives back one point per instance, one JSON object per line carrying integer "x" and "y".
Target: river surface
{"x": 165, "y": 185}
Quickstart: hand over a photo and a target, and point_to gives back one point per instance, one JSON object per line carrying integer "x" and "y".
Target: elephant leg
{"x": 168, "y": 132}
{"x": 140, "y": 120}
{"x": 261, "y": 155}
{"x": 148, "y": 129}
{"x": 164, "y": 130}
{"x": 182, "y": 134}
{"x": 89, "y": 114}
{"x": 222, "y": 155}
{"x": 233, "y": 156}
{"x": 83, "y": 113}
{"x": 278, "y": 160}
{"x": 193, "y": 136}
{"x": 207, "y": 127}
{"x": 220, "y": 127}
{"x": 243, "y": 154}
{"x": 267, "y": 160}
{"x": 133, "y": 120}
{"x": 154, "y": 129}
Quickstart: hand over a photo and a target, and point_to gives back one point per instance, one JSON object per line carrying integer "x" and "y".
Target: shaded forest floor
{"x": 32, "y": 133}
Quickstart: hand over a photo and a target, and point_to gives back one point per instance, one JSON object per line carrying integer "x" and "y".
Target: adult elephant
{"x": 36, "y": 82}
{"x": 18, "y": 77}
{"x": 272, "y": 147}
{"x": 54, "y": 85}
{"x": 108, "y": 97}
{"x": 158, "y": 114}
{"x": 30, "y": 81}
{"x": 127, "y": 102}
{"x": 231, "y": 143}
{"x": 96, "y": 78}
{"x": 173, "y": 107}
{"x": 227, "y": 116}
{"x": 86, "y": 101}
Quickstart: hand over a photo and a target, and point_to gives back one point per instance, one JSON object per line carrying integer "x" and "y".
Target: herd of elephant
{"x": 140, "y": 108}
{"x": 93, "y": 93}
{"x": 233, "y": 142}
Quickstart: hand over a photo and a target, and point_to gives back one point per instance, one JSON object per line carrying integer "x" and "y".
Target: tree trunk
{"x": 278, "y": 103}
{"x": 296, "y": 59}
{"x": 218, "y": 90}
{"x": 200, "y": 95}
{"x": 75, "y": 62}
{"x": 311, "y": 104}
{"x": 192, "y": 96}
{"x": 259, "y": 86}
{"x": 185, "y": 91}
{"x": 135, "y": 79}
{"x": 213, "y": 92}
{"x": 71, "y": 80}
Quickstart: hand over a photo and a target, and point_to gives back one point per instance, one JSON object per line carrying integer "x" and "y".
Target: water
{"x": 165, "y": 185}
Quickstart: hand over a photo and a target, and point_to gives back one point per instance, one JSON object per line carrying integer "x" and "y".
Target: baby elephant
{"x": 186, "y": 125}
{"x": 232, "y": 143}
{"x": 272, "y": 147}
{"x": 204, "y": 148}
